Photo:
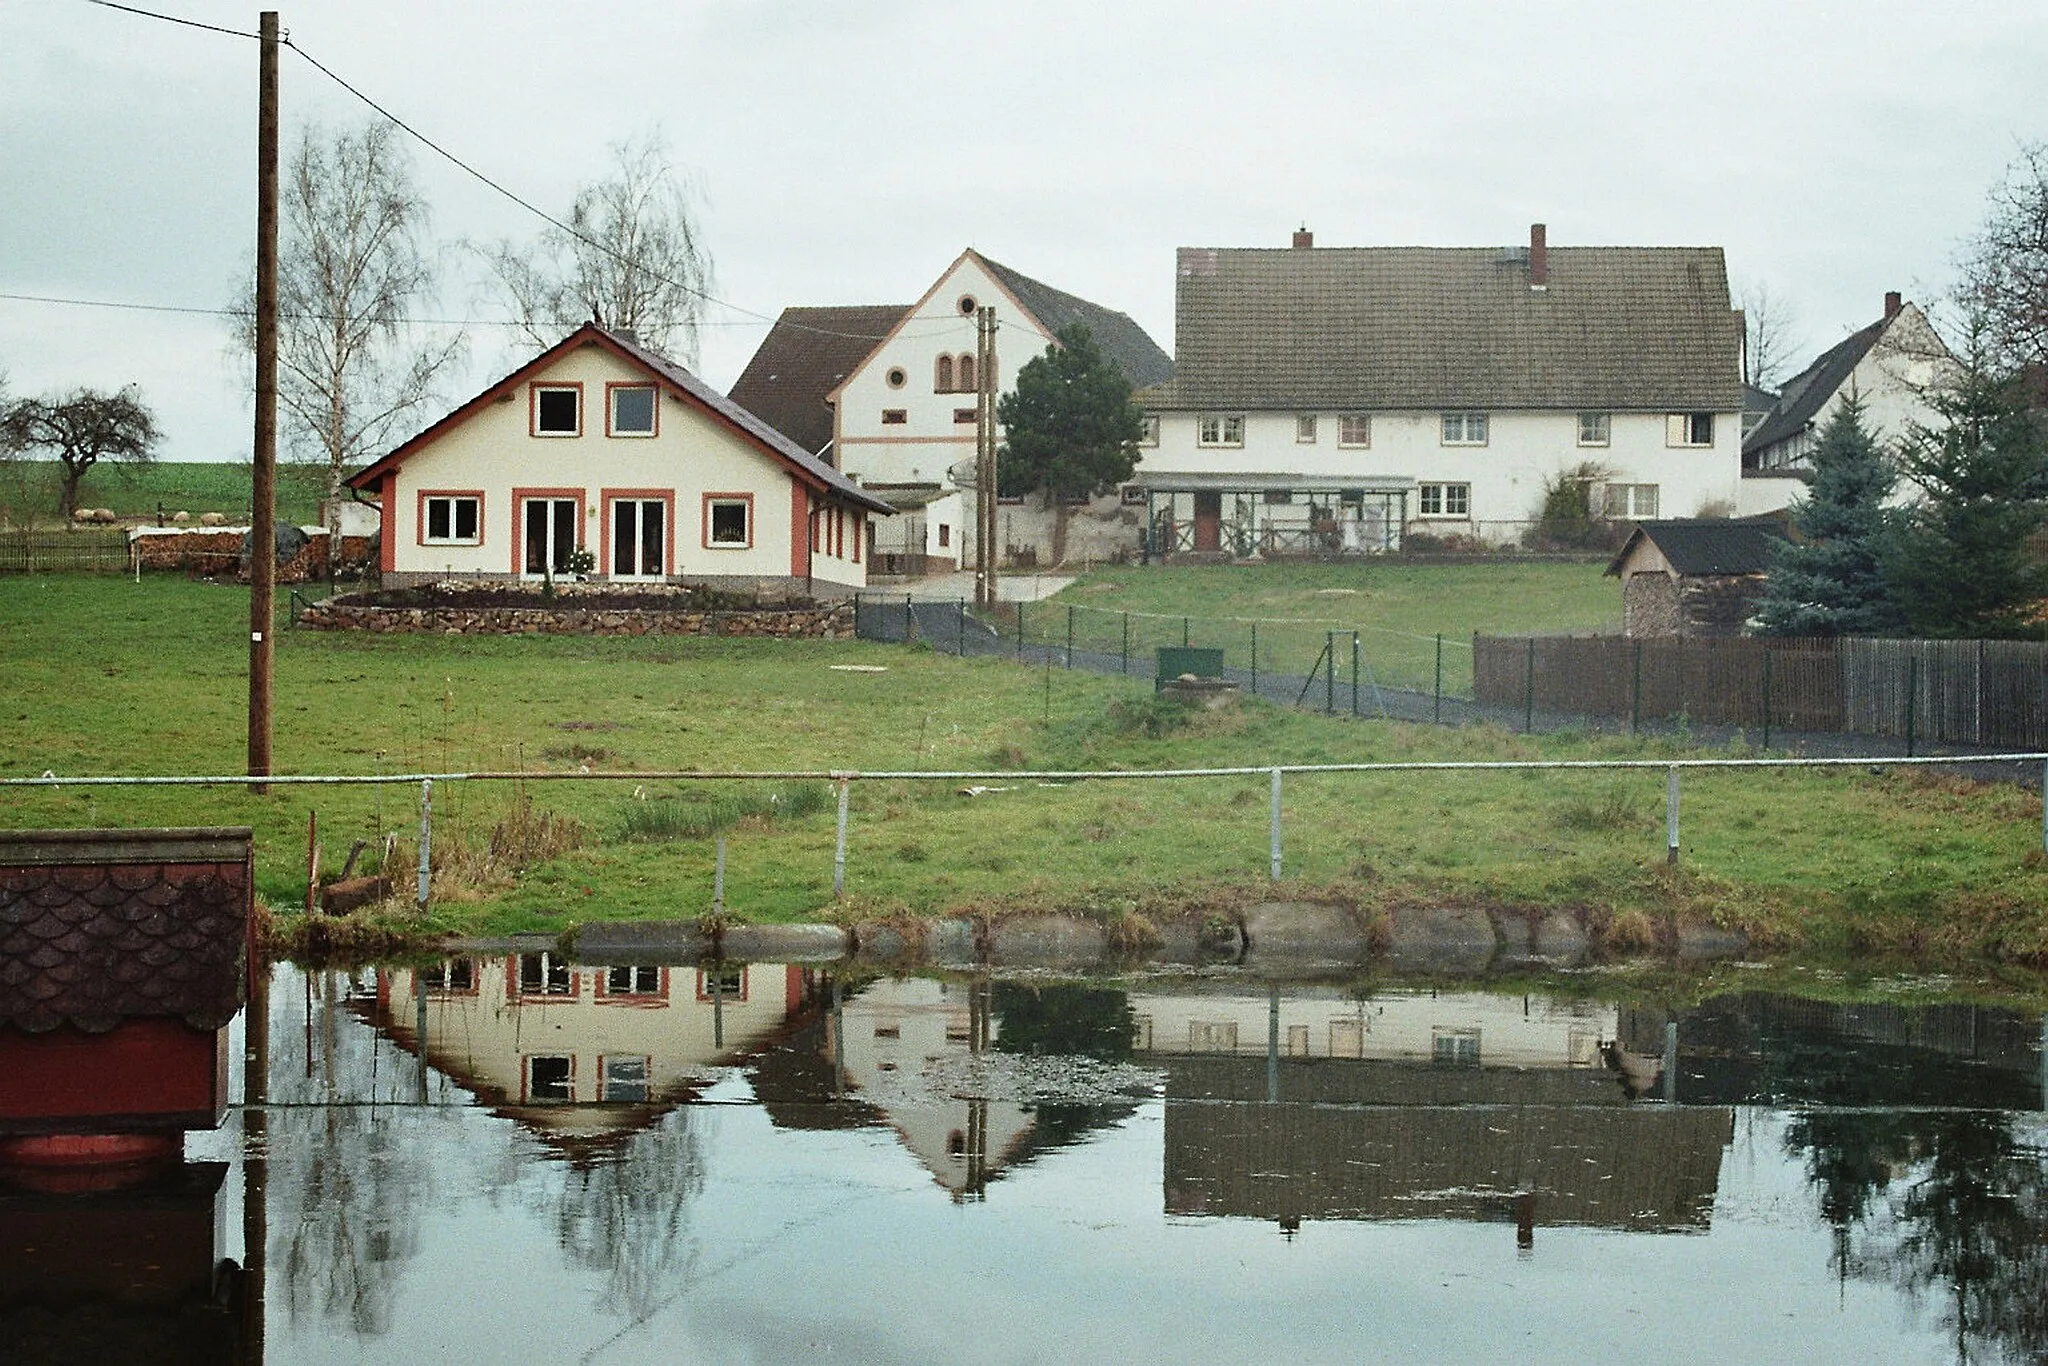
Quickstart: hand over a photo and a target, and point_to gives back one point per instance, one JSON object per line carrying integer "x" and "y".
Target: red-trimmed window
{"x": 622, "y": 1078}
{"x": 548, "y": 1079}
{"x": 728, "y": 521}
{"x": 731, "y": 983}
{"x": 632, "y": 410}
{"x": 452, "y": 517}
{"x": 541, "y": 974}
{"x": 452, "y": 977}
{"x": 633, "y": 982}
{"x": 555, "y": 409}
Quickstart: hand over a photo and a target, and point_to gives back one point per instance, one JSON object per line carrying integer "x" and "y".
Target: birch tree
{"x": 353, "y": 264}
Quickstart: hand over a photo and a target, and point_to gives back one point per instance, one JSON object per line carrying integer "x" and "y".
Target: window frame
{"x": 1447, "y": 491}
{"x": 738, "y": 993}
{"x": 1225, "y": 423}
{"x": 713, "y": 501}
{"x": 451, "y": 496}
{"x": 1605, "y": 426}
{"x": 1304, "y": 429}
{"x": 605, "y": 1065}
{"x": 942, "y": 374}
{"x": 1465, "y": 421}
{"x": 1631, "y": 502}
{"x": 1149, "y": 437}
{"x": 526, "y": 1089}
{"x": 895, "y": 417}
{"x": 1345, "y": 438}
{"x": 570, "y": 990}
{"x": 1681, "y": 431}
{"x": 966, "y": 416}
{"x": 633, "y": 994}
{"x": 533, "y": 395}
{"x": 612, "y": 390}
{"x": 608, "y": 499}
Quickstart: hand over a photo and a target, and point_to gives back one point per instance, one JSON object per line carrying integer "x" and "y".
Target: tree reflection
{"x": 628, "y": 1215}
{"x": 1951, "y": 1207}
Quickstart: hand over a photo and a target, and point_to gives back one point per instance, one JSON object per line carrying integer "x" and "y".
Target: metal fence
{"x": 844, "y": 780}
{"x": 43, "y": 552}
{"x": 1947, "y": 692}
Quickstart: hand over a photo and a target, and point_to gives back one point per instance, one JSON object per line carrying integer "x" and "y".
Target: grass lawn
{"x": 136, "y": 490}
{"x": 101, "y": 675}
{"x": 1397, "y": 608}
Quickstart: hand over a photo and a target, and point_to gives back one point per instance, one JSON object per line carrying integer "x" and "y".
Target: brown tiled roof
{"x": 1645, "y": 329}
{"x": 100, "y": 926}
{"x": 1118, "y": 337}
{"x": 802, "y": 359}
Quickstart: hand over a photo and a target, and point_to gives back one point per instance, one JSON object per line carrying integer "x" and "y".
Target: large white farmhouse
{"x": 1344, "y": 399}
{"x": 899, "y": 384}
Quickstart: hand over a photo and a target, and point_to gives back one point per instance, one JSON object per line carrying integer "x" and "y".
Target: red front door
{"x": 1208, "y": 521}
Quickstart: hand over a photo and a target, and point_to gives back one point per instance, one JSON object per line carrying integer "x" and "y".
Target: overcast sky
{"x": 846, "y": 152}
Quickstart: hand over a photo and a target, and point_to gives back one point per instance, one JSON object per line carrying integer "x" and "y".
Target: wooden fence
{"x": 1964, "y": 692}
{"x": 41, "y": 552}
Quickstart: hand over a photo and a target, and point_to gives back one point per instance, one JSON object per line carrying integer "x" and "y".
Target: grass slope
{"x": 1397, "y": 608}
{"x": 101, "y": 675}
{"x": 179, "y": 486}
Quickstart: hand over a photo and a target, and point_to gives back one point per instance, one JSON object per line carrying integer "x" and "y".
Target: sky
{"x": 845, "y": 153}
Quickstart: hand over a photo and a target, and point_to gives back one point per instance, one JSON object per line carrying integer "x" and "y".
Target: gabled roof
{"x": 802, "y": 359}
{"x": 1709, "y": 545}
{"x": 805, "y": 466}
{"x": 1121, "y": 339}
{"x": 1643, "y": 329}
{"x": 1813, "y": 387}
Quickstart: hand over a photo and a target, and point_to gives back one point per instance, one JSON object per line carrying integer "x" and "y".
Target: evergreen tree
{"x": 1960, "y": 564}
{"x": 1831, "y": 581}
{"x": 1069, "y": 427}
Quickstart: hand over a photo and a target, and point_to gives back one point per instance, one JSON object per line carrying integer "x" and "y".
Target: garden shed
{"x": 1695, "y": 576}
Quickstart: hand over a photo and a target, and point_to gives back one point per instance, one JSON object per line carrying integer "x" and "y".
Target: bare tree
{"x": 81, "y": 429}
{"x": 352, "y": 366}
{"x": 634, "y": 259}
{"x": 1769, "y": 334}
{"x": 2006, "y": 265}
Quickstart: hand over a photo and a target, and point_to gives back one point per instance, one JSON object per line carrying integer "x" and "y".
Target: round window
{"x": 896, "y": 377}
{"x": 967, "y": 304}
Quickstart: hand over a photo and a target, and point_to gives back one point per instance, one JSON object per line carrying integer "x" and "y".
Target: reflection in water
{"x": 588, "y": 1150}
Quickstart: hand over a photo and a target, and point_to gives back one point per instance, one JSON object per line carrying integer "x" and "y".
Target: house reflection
{"x": 1329, "y": 1104}
{"x": 585, "y": 1055}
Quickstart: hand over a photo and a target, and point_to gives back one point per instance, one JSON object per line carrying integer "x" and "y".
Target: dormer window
{"x": 557, "y": 409}
{"x": 632, "y": 410}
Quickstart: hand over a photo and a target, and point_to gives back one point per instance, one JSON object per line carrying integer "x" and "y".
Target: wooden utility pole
{"x": 985, "y": 457}
{"x": 263, "y": 516}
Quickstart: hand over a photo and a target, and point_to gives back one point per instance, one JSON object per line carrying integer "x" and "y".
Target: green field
{"x": 105, "y": 676}
{"x": 31, "y": 487}
{"x": 1398, "y": 609}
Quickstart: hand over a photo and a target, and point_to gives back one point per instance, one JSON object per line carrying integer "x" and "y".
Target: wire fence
{"x": 844, "y": 781}
{"x": 44, "y": 552}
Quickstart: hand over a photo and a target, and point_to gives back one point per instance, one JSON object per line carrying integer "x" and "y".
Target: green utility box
{"x": 1176, "y": 661}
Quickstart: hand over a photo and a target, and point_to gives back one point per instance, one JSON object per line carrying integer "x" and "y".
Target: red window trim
{"x": 533, "y": 409}
{"x": 526, "y": 1077}
{"x": 519, "y": 497}
{"x": 513, "y": 993}
{"x": 704, "y": 528}
{"x": 605, "y": 499}
{"x": 474, "y": 988}
{"x": 636, "y": 998}
{"x": 610, "y": 385}
{"x": 420, "y": 515}
{"x": 704, "y": 990}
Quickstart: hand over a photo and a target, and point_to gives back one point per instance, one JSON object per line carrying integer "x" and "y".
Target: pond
{"x": 528, "y": 1159}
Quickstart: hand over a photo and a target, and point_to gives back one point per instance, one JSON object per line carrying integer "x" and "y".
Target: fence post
{"x": 1354, "y": 674}
{"x": 1070, "y": 635}
{"x": 1127, "y": 645}
{"x": 1671, "y": 816}
{"x": 1767, "y": 697}
{"x": 839, "y": 846}
{"x": 1255, "y": 657}
{"x": 1529, "y": 690}
{"x": 718, "y": 880}
{"x": 426, "y": 839}
{"x": 1330, "y": 674}
{"x": 1436, "y": 705}
{"x": 1635, "y": 694}
{"x": 960, "y": 628}
{"x": 1912, "y": 698}
{"x": 1020, "y": 628}
{"x": 1276, "y": 825}
{"x": 2044, "y": 849}
{"x": 1183, "y": 633}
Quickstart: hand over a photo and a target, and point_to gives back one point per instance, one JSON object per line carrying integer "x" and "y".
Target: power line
{"x": 173, "y": 19}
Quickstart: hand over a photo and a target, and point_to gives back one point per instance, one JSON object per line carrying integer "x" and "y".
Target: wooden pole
{"x": 263, "y": 519}
{"x": 985, "y": 455}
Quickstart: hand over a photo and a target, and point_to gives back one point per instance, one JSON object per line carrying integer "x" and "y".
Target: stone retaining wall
{"x": 347, "y": 613}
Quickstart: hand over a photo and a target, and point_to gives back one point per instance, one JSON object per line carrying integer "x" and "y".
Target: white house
{"x": 598, "y": 445}
{"x": 1889, "y": 366}
{"x": 903, "y": 413}
{"x": 1341, "y": 399}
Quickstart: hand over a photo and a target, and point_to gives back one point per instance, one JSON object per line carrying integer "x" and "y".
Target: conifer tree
{"x": 1831, "y": 581}
{"x": 1960, "y": 564}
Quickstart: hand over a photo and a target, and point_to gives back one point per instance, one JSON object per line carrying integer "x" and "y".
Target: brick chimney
{"x": 1539, "y": 257}
{"x": 1892, "y": 304}
{"x": 1303, "y": 238}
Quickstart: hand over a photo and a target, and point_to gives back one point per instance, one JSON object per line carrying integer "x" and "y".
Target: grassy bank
{"x": 1398, "y": 609}
{"x": 107, "y": 676}
{"x": 197, "y": 487}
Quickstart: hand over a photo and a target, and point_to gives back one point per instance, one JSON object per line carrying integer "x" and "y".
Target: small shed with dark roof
{"x": 1695, "y": 576}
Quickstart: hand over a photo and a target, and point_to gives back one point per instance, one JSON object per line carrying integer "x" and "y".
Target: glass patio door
{"x": 639, "y": 538}
{"x": 550, "y": 535}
